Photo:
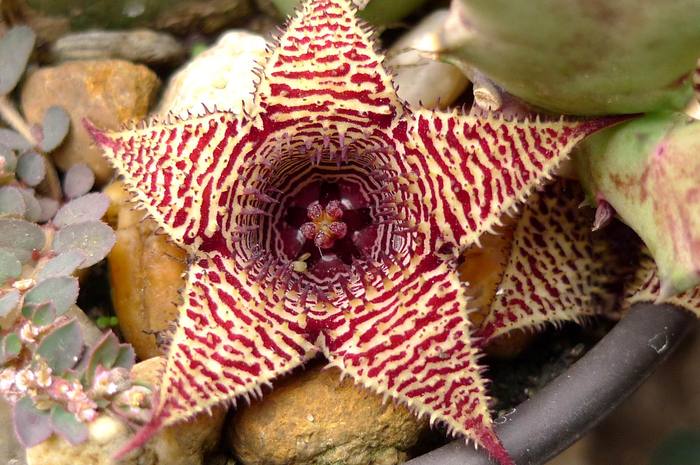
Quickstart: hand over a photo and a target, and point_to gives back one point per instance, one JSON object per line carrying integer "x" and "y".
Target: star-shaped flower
{"x": 329, "y": 220}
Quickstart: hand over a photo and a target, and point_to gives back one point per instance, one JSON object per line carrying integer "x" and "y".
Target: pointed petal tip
{"x": 488, "y": 439}
{"x": 98, "y": 135}
{"x": 589, "y": 126}
{"x": 141, "y": 437}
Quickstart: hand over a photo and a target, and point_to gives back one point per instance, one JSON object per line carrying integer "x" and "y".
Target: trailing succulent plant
{"x": 54, "y": 376}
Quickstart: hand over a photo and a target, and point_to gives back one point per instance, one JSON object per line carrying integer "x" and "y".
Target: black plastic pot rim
{"x": 573, "y": 403}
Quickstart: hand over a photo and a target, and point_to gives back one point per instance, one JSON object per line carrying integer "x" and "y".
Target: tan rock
{"x": 145, "y": 274}
{"x": 315, "y": 419}
{"x": 108, "y": 92}
{"x": 421, "y": 79}
{"x": 180, "y": 444}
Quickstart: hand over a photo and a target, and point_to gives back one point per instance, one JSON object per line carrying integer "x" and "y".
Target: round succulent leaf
{"x": 62, "y": 347}
{"x": 22, "y": 255}
{"x": 54, "y": 128}
{"x": 10, "y": 267}
{"x": 31, "y": 168}
{"x": 11, "y": 346}
{"x": 13, "y": 140}
{"x": 66, "y": 425}
{"x": 33, "y": 208}
{"x": 9, "y": 159}
{"x": 49, "y": 207}
{"x": 32, "y": 426}
{"x": 126, "y": 357}
{"x": 105, "y": 353}
{"x": 41, "y": 315}
{"x": 89, "y": 207}
{"x": 8, "y": 302}
{"x": 63, "y": 264}
{"x": 15, "y": 48}
{"x": 20, "y": 234}
{"x": 12, "y": 202}
{"x": 78, "y": 181}
{"x": 93, "y": 238}
{"x": 61, "y": 291}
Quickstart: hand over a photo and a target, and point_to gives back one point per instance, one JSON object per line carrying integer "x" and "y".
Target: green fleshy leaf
{"x": 33, "y": 209}
{"x": 90, "y": 207}
{"x": 105, "y": 354}
{"x": 78, "y": 181}
{"x": 12, "y": 202}
{"x": 22, "y": 255}
{"x": 62, "y": 347}
{"x": 61, "y": 265}
{"x": 378, "y": 12}
{"x": 66, "y": 425}
{"x": 31, "y": 168}
{"x": 14, "y": 141}
{"x": 41, "y": 315}
{"x": 126, "y": 357}
{"x": 15, "y": 48}
{"x": 49, "y": 207}
{"x": 8, "y": 302}
{"x": 9, "y": 159}
{"x": 54, "y": 128}
{"x": 20, "y": 234}
{"x": 93, "y": 238}
{"x": 11, "y": 346}
{"x": 61, "y": 291}
{"x": 647, "y": 170}
{"x": 10, "y": 267}
{"x": 32, "y": 426}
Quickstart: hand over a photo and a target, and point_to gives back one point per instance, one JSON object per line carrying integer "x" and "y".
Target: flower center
{"x": 325, "y": 226}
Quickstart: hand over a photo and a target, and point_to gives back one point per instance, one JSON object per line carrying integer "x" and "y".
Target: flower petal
{"x": 232, "y": 338}
{"x": 555, "y": 270}
{"x": 325, "y": 69}
{"x": 176, "y": 171}
{"x": 471, "y": 169}
{"x": 411, "y": 341}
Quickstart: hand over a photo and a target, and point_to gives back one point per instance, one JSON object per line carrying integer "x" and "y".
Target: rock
{"x": 314, "y": 418}
{"x": 138, "y": 45}
{"x": 109, "y": 93}
{"x": 177, "y": 16}
{"x": 145, "y": 275}
{"x": 221, "y": 76}
{"x": 420, "y": 78}
{"x": 11, "y": 452}
{"x": 180, "y": 444}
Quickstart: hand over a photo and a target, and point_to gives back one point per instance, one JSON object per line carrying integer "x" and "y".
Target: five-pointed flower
{"x": 329, "y": 220}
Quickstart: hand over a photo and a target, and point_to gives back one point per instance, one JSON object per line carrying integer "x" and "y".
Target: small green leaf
{"x": 66, "y": 425}
{"x": 61, "y": 265}
{"x": 10, "y": 267}
{"x": 54, "y": 128}
{"x": 31, "y": 168}
{"x": 78, "y": 181}
{"x": 11, "y": 346}
{"x": 14, "y": 140}
{"x": 9, "y": 159}
{"x": 105, "y": 354}
{"x": 94, "y": 238}
{"x": 49, "y": 207}
{"x": 40, "y": 315}
{"x": 20, "y": 254}
{"x": 15, "y": 48}
{"x": 62, "y": 347}
{"x": 89, "y": 207}
{"x": 33, "y": 209}
{"x": 32, "y": 426}
{"x": 8, "y": 302}
{"x": 12, "y": 202}
{"x": 20, "y": 234}
{"x": 126, "y": 357}
{"x": 61, "y": 291}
